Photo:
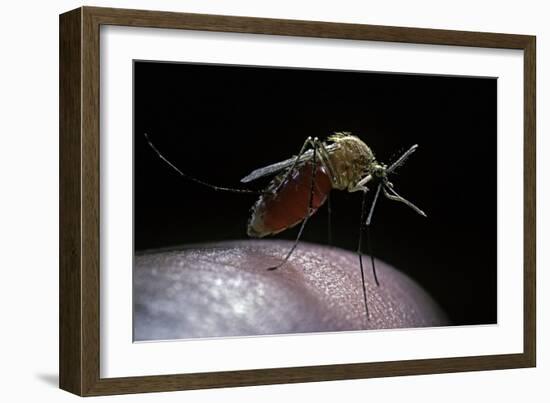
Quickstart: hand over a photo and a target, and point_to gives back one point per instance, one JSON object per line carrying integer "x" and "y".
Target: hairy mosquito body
{"x": 351, "y": 161}
{"x": 284, "y": 203}
{"x": 302, "y": 184}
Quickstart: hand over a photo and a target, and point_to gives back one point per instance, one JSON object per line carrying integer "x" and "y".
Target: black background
{"x": 218, "y": 123}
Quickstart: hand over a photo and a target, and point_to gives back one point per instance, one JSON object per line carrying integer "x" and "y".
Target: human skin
{"x": 223, "y": 289}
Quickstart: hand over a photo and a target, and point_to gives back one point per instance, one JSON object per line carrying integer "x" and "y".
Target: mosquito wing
{"x": 274, "y": 168}
{"x": 279, "y": 166}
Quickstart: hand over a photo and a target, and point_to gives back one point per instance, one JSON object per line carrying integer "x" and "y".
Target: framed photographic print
{"x": 250, "y": 201}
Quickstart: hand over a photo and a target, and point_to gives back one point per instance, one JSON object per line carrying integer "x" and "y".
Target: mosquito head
{"x": 380, "y": 172}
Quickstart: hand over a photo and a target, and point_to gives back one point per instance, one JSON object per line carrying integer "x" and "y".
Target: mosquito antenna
{"x": 309, "y": 209}
{"x": 220, "y": 188}
{"x": 396, "y": 154}
{"x": 401, "y": 160}
{"x": 398, "y": 198}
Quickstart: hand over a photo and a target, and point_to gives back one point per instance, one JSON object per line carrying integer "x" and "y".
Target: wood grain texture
{"x": 79, "y": 200}
{"x": 529, "y": 194}
{"x": 317, "y": 29}
{"x": 70, "y": 274}
{"x": 90, "y": 201}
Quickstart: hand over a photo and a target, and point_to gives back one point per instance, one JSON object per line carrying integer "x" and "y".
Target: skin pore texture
{"x": 223, "y": 289}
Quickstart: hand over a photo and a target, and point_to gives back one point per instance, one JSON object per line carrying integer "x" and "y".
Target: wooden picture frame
{"x": 79, "y": 201}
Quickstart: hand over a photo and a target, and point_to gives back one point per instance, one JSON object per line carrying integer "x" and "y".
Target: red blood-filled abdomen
{"x": 274, "y": 213}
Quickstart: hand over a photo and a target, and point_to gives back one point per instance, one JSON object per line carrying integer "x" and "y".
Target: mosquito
{"x": 302, "y": 184}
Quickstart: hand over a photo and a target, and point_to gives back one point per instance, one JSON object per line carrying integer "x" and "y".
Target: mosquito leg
{"x": 367, "y": 226}
{"x": 325, "y": 157}
{"x": 360, "y": 186}
{"x": 329, "y": 220}
{"x": 309, "y": 141}
{"x": 309, "y": 208}
{"x": 189, "y": 177}
{"x": 369, "y": 219}
{"x": 369, "y": 249}
{"x": 360, "y": 253}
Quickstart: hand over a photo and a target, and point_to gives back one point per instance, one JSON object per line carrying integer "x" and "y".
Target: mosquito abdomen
{"x": 276, "y": 211}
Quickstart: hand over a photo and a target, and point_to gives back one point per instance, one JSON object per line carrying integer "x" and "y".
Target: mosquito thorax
{"x": 351, "y": 160}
